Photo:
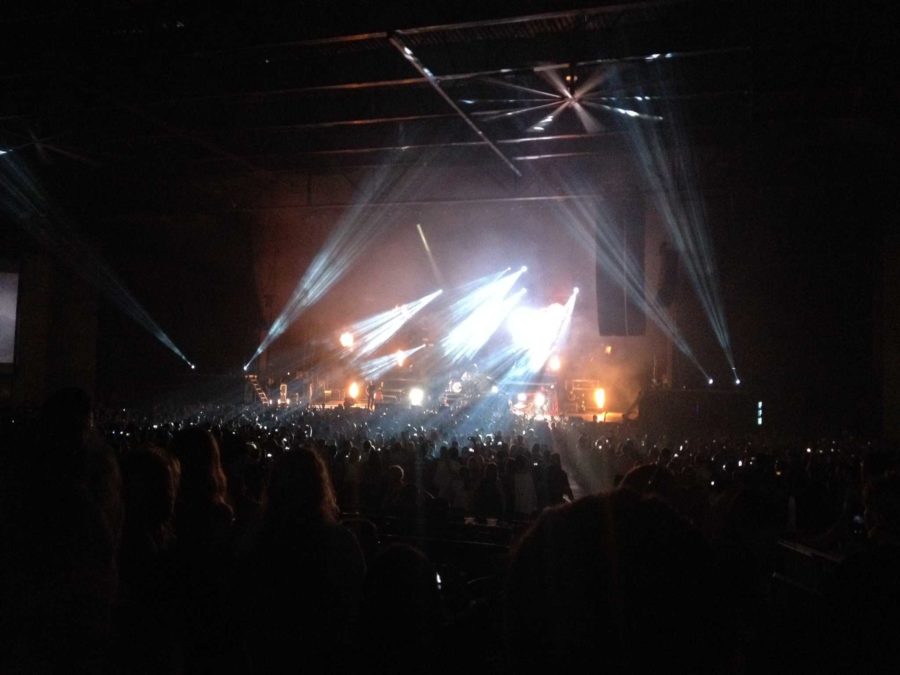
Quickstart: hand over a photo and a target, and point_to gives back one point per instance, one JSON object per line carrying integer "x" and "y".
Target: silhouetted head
{"x": 395, "y": 476}
{"x": 401, "y": 589}
{"x": 652, "y": 479}
{"x": 882, "y": 508}
{"x": 490, "y": 472}
{"x": 149, "y": 483}
{"x": 612, "y": 583}
{"x": 300, "y": 490}
{"x": 66, "y": 421}
{"x": 202, "y": 478}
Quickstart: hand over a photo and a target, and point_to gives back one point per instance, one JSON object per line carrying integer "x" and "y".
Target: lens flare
{"x": 416, "y": 396}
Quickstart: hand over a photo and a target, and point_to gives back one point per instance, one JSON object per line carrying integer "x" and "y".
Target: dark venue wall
{"x": 56, "y": 325}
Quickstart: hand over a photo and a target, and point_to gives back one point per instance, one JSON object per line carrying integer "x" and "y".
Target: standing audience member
{"x": 401, "y": 618}
{"x": 203, "y": 526}
{"x": 612, "y": 583}
{"x": 558, "y": 488}
{"x": 147, "y": 620}
{"x": 866, "y": 593}
{"x": 303, "y": 581}
{"x": 60, "y": 519}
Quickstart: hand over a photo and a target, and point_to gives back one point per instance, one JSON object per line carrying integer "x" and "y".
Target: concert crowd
{"x": 253, "y": 539}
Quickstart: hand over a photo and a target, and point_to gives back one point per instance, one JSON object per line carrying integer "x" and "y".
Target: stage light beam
{"x": 373, "y": 332}
{"x": 24, "y": 201}
{"x": 478, "y": 315}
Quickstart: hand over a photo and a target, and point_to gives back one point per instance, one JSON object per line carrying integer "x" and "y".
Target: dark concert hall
{"x": 325, "y": 324}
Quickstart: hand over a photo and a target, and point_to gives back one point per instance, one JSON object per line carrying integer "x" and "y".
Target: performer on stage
{"x": 371, "y": 390}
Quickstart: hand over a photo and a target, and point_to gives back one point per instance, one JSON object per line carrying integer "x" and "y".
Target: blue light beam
{"x": 25, "y": 202}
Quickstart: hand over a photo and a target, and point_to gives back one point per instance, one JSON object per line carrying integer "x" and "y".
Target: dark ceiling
{"x": 172, "y": 87}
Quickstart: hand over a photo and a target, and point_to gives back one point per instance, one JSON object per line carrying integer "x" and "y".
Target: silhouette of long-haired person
{"x": 614, "y": 583}
{"x": 203, "y": 527}
{"x": 60, "y": 516}
{"x": 147, "y": 620}
{"x": 303, "y": 581}
{"x": 401, "y": 617}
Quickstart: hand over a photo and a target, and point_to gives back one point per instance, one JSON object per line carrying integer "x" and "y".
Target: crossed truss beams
{"x": 408, "y": 54}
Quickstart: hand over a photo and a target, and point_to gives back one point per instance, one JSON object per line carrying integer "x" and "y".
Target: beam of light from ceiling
{"x": 567, "y": 94}
{"x": 398, "y": 42}
{"x": 591, "y": 226}
{"x": 555, "y": 80}
{"x": 625, "y": 112}
{"x": 477, "y": 316}
{"x": 491, "y": 116}
{"x": 590, "y": 123}
{"x": 672, "y": 178}
{"x": 357, "y": 229}
{"x": 26, "y": 203}
{"x": 542, "y": 124}
{"x": 527, "y": 90}
{"x": 593, "y": 82}
{"x": 371, "y": 333}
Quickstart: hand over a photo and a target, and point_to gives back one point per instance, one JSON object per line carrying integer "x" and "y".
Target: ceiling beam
{"x": 547, "y": 16}
{"x": 407, "y": 53}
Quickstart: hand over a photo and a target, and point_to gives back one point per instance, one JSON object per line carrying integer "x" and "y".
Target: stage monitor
{"x": 9, "y": 299}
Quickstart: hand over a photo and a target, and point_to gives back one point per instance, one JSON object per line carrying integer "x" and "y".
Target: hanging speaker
{"x": 619, "y": 249}
{"x": 668, "y": 278}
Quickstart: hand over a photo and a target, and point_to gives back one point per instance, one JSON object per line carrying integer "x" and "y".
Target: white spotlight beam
{"x": 478, "y": 315}
{"x": 372, "y": 333}
{"x": 378, "y": 366}
{"x": 25, "y": 201}
{"x": 589, "y": 227}
{"x": 356, "y": 231}
{"x": 685, "y": 220}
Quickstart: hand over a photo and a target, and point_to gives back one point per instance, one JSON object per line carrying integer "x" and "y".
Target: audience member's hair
{"x": 202, "y": 478}
{"x": 300, "y": 490}
{"x": 612, "y": 582}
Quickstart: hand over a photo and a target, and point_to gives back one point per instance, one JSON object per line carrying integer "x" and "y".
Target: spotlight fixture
{"x": 709, "y": 381}
{"x": 353, "y": 390}
{"x": 416, "y": 396}
{"x": 571, "y": 78}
